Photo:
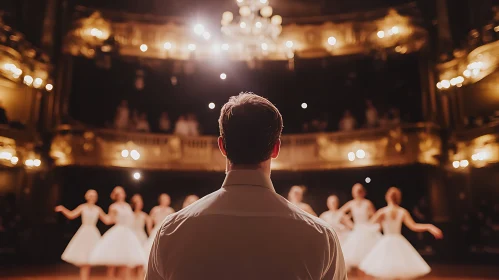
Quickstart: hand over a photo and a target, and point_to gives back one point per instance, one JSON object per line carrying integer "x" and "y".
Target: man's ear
{"x": 221, "y": 146}
{"x": 276, "y": 149}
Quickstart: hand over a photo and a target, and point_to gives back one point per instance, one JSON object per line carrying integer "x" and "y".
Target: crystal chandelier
{"x": 256, "y": 30}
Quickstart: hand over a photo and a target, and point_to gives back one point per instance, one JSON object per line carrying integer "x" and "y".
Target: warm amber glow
{"x": 14, "y": 160}
{"x": 199, "y": 29}
{"x": 49, "y": 87}
{"x": 276, "y": 20}
{"x": 445, "y": 83}
{"x": 351, "y": 156}
{"x": 38, "y": 82}
{"x": 37, "y": 162}
{"x": 134, "y": 154}
{"x": 381, "y": 34}
{"x": 28, "y": 80}
{"x": 244, "y": 11}
{"x": 464, "y": 163}
{"x": 455, "y": 164}
{"x": 360, "y": 154}
{"x": 331, "y": 41}
{"x": 227, "y": 17}
{"x": 289, "y": 44}
{"x": 167, "y": 46}
{"x": 266, "y": 11}
{"x": 143, "y": 48}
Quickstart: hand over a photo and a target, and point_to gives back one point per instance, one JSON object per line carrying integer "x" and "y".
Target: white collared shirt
{"x": 245, "y": 231}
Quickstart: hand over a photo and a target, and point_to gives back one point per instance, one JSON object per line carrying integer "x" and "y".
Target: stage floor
{"x": 67, "y": 272}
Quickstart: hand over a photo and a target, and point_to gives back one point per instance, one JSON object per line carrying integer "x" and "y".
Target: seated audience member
{"x": 164, "y": 123}
{"x": 348, "y": 122}
{"x": 122, "y": 116}
{"x": 143, "y": 124}
{"x": 181, "y": 127}
{"x": 193, "y": 125}
{"x": 371, "y": 115}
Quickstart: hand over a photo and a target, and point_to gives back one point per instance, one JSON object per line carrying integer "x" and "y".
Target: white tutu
{"x": 81, "y": 245}
{"x": 359, "y": 243}
{"x": 393, "y": 257}
{"x": 141, "y": 236}
{"x": 119, "y": 246}
{"x": 150, "y": 242}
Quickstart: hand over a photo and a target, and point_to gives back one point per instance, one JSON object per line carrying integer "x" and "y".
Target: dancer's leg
{"x": 85, "y": 272}
{"x": 111, "y": 272}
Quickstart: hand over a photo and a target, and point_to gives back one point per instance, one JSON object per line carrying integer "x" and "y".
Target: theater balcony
{"x": 409, "y": 144}
{"x": 476, "y": 147}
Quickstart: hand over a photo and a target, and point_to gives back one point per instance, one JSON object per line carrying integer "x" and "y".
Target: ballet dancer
{"x": 364, "y": 234}
{"x": 157, "y": 215}
{"x": 295, "y": 196}
{"x": 139, "y": 226}
{"x": 190, "y": 199}
{"x": 336, "y": 219}
{"x": 393, "y": 257}
{"x": 83, "y": 242}
{"x": 119, "y": 247}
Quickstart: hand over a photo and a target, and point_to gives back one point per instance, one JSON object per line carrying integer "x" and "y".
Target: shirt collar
{"x": 248, "y": 177}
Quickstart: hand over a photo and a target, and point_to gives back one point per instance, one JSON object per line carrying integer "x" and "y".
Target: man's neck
{"x": 263, "y": 167}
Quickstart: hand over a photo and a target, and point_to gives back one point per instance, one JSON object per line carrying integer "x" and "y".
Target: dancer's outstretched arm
{"x": 378, "y": 216}
{"x": 70, "y": 214}
{"x": 107, "y": 219}
{"x": 409, "y": 222}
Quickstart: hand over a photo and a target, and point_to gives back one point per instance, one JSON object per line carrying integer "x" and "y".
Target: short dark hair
{"x": 250, "y": 126}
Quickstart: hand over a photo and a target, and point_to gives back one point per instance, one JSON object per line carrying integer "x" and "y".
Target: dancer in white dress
{"x": 336, "y": 219}
{"x": 119, "y": 247}
{"x": 364, "y": 235}
{"x": 157, "y": 215}
{"x": 83, "y": 242}
{"x": 393, "y": 257}
{"x": 190, "y": 199}
{"x": 139, "y": 226}
{"x": 295, "y": 196}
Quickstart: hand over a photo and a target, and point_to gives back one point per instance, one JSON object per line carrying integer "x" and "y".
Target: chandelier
{"x": 256, "y": 30}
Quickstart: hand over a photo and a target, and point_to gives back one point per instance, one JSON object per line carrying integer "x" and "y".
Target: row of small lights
{"x": 28, "y": 80}
{"x": 212, "y": 105}
{"x": 30, "y": 163}
{"x": 359, "y": 154}
{"x": 199, "y": 30}
{"x": 479, "y": 156}
{"x": 472, "y": 71}
{"x": 134, "y": 154}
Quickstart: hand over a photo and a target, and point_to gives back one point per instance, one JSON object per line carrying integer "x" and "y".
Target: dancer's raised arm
{"x": 68, "y": 213}
{"x": 107, "y": 219}
{"x": 412, "y": 225}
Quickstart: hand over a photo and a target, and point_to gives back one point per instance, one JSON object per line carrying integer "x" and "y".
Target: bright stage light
{"x": 135, "y": 154}
{"x": 289, "y": 44}
{"x": 137, "y": 175}
{"x": 368, "y": 180}
{"x": 143, "y": 48}
{"x": 331, "y": 41}
{"x": 37, "y": 83}
{"x": 191, "y": 47}
{"x": 223, "y": 76}
{"x": 14, "y": 160}
{"x": 304, "y": 105}
{"x": 351, "y": 156}
{"x": 28, "y": 80}
{"x": 211, "y": 105}
{"x": 381, "y": 34}
{"x": 265, "y": 46}
{"x": 167, "y": 46}
{"x": 199, "y": 29}
{"x": 464, "y": 163}
{"x": 225, "y": 47}
{"x": 124, "y": 153}
{"x": 37, "y": 162}
{"x": 206, "y": 35}
{"x": 49, "y": 87}
{"x": 360, "y": 154}
{"x": 455, "y": 164}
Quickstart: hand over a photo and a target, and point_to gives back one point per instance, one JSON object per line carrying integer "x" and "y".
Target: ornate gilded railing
{"x": 408, "y": 144}
{"x": 476, "y": 147}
